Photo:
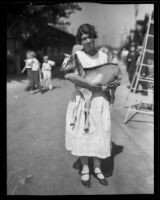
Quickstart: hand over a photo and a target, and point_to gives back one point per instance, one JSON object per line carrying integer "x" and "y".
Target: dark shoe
{"x": 30, "y": 92}
{"x": 128, "y": 87}
{"x": 136, "y": 91}
{"x": 145, "y": 93}
{"x": 27, "y": 89}
{"x": 86, "y": 183}
{"x": 102, "y": 181}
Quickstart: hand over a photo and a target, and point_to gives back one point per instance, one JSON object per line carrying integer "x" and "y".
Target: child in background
{"x": 35, "y": 72}
{"x": 46, "y": 71}
{"x": 28, "y": 66}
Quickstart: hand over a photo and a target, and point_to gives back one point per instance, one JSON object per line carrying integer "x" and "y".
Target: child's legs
{"x": 45, "y": 78}
{"x": 29, "y": 75}
{"x": 33, "y": 81}
{"x": 29, "y": 71}
{"x": 49, "y": 79}
{"x": 37, "y": 82}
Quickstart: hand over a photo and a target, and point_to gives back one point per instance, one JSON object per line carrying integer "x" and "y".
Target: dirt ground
{"x": 39, "y": 164}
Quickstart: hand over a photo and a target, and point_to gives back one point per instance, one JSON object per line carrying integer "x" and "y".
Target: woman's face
{"x": 87, "y": 42}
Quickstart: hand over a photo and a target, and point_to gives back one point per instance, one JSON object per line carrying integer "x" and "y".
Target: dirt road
{"x": 37, "y": 162}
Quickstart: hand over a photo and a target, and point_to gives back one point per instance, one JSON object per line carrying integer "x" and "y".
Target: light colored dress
{"x": 96, "y": 142}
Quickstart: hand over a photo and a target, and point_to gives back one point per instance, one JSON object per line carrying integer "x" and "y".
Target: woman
{"x": 96, "y": 142}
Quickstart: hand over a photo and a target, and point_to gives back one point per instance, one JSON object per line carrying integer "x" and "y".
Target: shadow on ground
{"x": 44, "y": 90}
{"x": 20, "y": 78}
{"x": 107, "y": 165}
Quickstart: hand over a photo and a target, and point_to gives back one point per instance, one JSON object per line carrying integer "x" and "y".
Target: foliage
{"x": 32, "y": 20}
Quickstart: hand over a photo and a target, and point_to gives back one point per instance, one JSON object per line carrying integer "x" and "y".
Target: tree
{"x": 32, "y": 25}
{"x": 30, "y": 20}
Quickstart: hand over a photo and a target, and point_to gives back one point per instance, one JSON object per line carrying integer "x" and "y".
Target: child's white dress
{"x": 96, "y": 142}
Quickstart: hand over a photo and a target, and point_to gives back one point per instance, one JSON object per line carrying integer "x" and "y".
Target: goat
{"x": 90, "y": 80}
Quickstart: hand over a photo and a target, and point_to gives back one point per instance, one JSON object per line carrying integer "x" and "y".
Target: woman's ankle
{"x": 85, "y": 169}
{"x": 97, "y": 169}
{"x": 98, "y": 173}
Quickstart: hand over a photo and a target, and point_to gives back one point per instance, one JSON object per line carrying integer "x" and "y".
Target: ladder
{"x": 144, "y": 107}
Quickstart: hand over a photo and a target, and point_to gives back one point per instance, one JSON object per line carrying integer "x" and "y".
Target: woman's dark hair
{"x": 85, "y": 29}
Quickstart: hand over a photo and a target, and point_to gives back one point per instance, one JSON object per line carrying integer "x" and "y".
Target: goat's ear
{"x": 66, "y": 55}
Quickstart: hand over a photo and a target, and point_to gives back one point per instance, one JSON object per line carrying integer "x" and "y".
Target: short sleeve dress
{"x": 96, "y": 142}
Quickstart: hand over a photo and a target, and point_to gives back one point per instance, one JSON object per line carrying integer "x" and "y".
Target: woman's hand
{"x": 104, "y": 88}
{"x": 115, "y": 83}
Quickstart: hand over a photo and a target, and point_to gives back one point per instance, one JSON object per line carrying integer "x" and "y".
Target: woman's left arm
{"x": 115, "y": 83}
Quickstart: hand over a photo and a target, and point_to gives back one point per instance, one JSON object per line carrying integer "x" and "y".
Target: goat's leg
{"x": 74, "y": 114}
{"x": 73, "y": 117}
{"x": 87, "y": 95}
{"x": 112, "y": 92}
{"x": 87, "y": 108}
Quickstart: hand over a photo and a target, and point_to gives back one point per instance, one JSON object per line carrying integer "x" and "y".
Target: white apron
{"x": 96, "y": 142}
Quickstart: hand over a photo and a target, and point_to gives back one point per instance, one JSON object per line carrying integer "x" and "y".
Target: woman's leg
{"x": 97, "y": 167}
{"x": 85, "y": 168}
{"x": 98, "y": 172}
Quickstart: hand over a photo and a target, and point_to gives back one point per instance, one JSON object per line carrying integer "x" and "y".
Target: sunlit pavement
{"x": 37, "y": 162}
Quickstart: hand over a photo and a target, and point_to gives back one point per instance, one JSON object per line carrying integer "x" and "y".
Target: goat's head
{"x": 68, "y": 64}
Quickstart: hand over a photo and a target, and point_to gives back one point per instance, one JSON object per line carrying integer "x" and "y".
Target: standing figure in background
{"x": 46, "y": 71}
{"x": 131, "y": 47}
{"x": 115, "y": 58}
{"x": 35, "y": 73}
{"x": 28, "y": 66}
{"x": 138, "y": 39}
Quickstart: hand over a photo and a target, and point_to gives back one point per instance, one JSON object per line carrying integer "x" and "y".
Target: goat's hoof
{"x": 72, "y": 124}
{"x": 86, "y": 129}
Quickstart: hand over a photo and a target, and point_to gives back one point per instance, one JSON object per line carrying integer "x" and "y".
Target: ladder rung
{"x": 148, "y": 103}
{"x": 149, "y": 51}
{"x": 150, "y": 35}
{"x": 144, "y": 112}
{"x": 148, "y": 78}
{"x": 145, "y": 80}
{"x": 147, "y": 65}
{"x": 140, "y": 90}
{"x": 152, "y": 22}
